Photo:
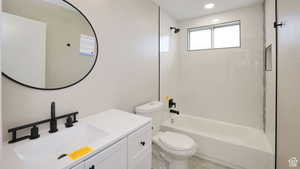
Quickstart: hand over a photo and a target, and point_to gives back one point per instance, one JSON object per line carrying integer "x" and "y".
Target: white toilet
{"x": 173, "y": 148}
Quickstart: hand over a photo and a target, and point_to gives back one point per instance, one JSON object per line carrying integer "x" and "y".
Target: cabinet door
{"x": 115, "y": 157}
{"x": 80, "y": 166}
{"x": 142, "y": 161}
{"x": 140, "y": 148}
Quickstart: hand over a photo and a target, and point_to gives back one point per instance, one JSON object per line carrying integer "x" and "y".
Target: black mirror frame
{"x": 73, "y": 84}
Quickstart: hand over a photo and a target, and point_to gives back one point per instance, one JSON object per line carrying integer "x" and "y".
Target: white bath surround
{"x": 169, "y": 60}
{"x": 220, "y": 92}
{"x": 225, "y": 143}
{"x": 224, "y": 84}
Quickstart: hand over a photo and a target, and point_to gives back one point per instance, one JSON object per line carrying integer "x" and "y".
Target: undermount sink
{"x": 47, "y": 149}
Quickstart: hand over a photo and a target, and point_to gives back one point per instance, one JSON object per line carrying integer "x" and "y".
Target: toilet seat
{"x": 175, "y": 150}
{"x": 176, "y": 141}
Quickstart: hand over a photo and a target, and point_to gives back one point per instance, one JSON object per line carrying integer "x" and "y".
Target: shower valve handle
{"x": 172, "y": 104}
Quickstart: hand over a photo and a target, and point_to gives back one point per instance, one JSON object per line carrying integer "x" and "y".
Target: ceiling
{"x": 184, "y": 9}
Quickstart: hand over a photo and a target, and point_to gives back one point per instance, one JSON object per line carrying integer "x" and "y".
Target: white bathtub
{"x": 229, "y": 144}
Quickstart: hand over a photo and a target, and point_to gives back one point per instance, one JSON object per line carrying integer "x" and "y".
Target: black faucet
{"x": 53, "y": 120}
{"x": 34, "y": 132}
{"x": 174, "y": 111}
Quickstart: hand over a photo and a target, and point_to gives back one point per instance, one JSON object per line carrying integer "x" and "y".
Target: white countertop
{"x": 117, "y": 123}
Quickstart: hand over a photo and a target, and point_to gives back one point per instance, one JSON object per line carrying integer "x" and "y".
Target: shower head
{"x": 176, "y": 30}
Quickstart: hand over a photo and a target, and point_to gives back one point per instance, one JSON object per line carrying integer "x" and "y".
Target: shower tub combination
{"x": 232, "y": 145}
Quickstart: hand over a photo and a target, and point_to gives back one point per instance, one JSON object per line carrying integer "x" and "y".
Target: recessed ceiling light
{"x": 209, "y": 6}
{"x": 216, "y": 20}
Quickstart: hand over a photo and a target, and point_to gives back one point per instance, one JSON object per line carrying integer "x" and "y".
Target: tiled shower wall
{"x": 225, "y": 84}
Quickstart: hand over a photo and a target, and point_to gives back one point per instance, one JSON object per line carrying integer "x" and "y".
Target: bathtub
{"x": 232, "y": 145}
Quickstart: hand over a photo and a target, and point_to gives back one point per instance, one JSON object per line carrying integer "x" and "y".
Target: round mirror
{"x": 46, "y": 44}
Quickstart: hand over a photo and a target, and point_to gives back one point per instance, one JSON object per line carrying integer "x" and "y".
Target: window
{"x": 200, "y": 39}
{"x": 225, "y": 35}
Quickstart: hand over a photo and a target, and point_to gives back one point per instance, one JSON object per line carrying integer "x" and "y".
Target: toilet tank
{"x": 153, "y": 110}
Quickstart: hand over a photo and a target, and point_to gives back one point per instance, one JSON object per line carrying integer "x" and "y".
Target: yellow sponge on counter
{"x": 79, "y": 153}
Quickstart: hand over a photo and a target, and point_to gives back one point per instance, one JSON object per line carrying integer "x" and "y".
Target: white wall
{"x": 126, "y": 73}
{"x": 58, "y": 34}
{"x": 168, "y": 58}
{"x": 270, "y": 39}
{"x": 225, "y": 84}
{"x": 24, "y": 61}
{"x": 288, "y": 83}
{"x": 1, "y": 81}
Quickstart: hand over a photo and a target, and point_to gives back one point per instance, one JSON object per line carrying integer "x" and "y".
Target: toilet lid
{"x": 176, "y": 141}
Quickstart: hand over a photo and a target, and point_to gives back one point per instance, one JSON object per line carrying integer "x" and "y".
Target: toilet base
{"x": 160, "y": 160}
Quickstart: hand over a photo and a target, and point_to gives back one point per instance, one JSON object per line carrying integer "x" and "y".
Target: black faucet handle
{"x": 69, "y": 122}
{"x": 34, "y": 133}
{"x": 172, "y": 104}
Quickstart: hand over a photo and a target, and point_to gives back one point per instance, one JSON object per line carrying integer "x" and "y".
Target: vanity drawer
{"x": 140, "y": 141}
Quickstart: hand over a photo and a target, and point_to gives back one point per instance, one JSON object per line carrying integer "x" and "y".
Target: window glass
{"x": 200, "y": 39}
{"x": 227, "y": 36}
{"x": 216, "y": 36}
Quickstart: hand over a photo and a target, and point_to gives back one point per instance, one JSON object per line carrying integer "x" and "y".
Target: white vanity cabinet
{"x": 115, "y": 157}
{"x": 120, "y": 140}
{"x": 140, "y": 148}
{"x": 132, "y": 152}
{"x": 80, "y": 166}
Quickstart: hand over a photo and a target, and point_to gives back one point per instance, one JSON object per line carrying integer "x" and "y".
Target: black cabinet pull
{"x": 143, "y": 143}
